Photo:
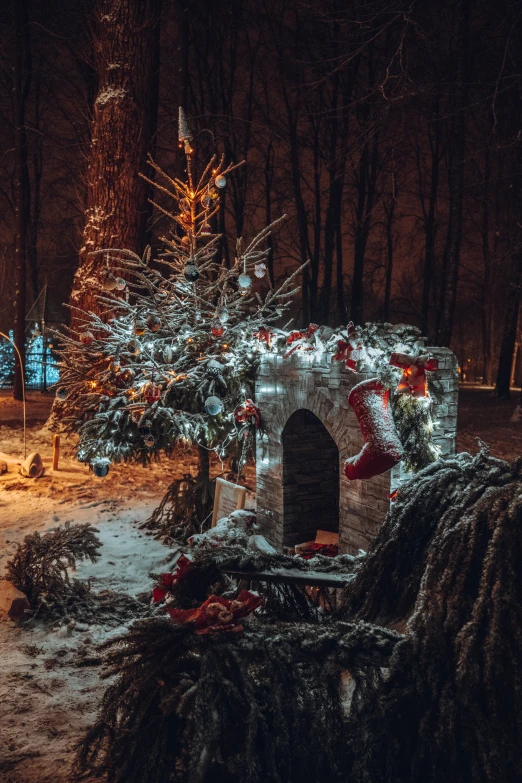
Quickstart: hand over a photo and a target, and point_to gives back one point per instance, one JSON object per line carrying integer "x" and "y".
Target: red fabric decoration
{"x": 152, "y": 393}
{"x": 344, "y": 353}
{"x": 167, "y": 580}
{"x": 301, "y": 340}
{"x": 330, "y": 550}
{"x": 218, "y": 614}
{"x": 382, "y": 448}
{"x": 264, "y": 335}
{"x": 248, "y": 412}
{"x": 413, "y": 379}
{"x": 345, "y": 350}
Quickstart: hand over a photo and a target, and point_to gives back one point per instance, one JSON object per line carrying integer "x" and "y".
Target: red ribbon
{"x": 264, "y": 335}
{"x": 248, "y": 411}
{"x": 300, "y": 338}
{"x": 217, "y": 614}
{"x": 167, "y": 580}
{"x": 330, "y": 550}
{"x": 413, "y": 380}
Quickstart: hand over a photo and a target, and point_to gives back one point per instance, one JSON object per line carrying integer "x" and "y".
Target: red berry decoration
{"x": 152, "y": 393}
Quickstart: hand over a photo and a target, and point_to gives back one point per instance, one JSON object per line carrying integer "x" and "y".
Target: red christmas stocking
{"x": 382, "y": 449}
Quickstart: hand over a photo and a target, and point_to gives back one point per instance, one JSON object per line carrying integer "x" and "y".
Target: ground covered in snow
{"x": 48, "y": 695}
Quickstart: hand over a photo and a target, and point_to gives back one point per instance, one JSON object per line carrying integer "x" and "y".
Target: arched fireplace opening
{"x": 310, "y": 479}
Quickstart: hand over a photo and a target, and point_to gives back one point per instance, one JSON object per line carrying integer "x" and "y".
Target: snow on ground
{"x": 47, "y": 698}
{"x": 482, "y": 415}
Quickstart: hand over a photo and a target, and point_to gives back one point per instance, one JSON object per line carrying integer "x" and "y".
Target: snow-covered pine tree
{"x": 174, "y": 350}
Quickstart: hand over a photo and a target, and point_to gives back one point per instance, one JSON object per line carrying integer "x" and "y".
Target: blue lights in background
{"x": 41, "y": 369}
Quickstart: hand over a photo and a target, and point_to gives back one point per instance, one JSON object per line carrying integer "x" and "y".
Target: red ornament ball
{"x": 86, "y": 338}
{"x": 152, "y": 393}
{"x": 217, "y": 328}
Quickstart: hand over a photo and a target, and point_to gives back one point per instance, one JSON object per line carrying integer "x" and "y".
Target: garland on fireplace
{"x": 405, "y": 381}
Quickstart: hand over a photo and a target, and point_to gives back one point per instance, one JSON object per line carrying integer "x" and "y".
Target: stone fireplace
{"x": 310, "y": 430}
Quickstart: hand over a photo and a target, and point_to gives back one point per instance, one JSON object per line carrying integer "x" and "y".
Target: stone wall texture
{"x": 296, "y": 476}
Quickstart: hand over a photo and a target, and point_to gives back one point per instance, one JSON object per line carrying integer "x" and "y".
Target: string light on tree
{"x": 179, "y": 354}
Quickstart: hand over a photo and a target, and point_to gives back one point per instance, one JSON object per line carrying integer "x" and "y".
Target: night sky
{"x": 387, "y": 131}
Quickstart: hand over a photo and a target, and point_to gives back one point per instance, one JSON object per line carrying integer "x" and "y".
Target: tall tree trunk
{"x": 341, "y": 303}
{"x": 125, "y": 44}
{"x": 509, "y": 337}
{"x": 456, "y": 165}
{"x": 390, "y": 212}
{"x": 430, "y": 222}
{"x": 32, "y": 247}
{"x": 365, "y": 199}
{"x": 486, "y": 257}
{"x": 21, "y": 85}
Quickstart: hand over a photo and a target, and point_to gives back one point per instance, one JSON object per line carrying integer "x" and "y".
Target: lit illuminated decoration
{"x": 41, "y": 368}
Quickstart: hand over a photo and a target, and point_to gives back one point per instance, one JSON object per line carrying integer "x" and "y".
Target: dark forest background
{"x": 389, "y": 132}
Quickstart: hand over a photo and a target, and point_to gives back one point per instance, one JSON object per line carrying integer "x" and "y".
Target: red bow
{"x": 345, "y": 350}
{"x": 413, "y": 379}
{"x": 167, "y": 580}
{"x": 218, "y": 614}
{"x": 246, "y": 411}
{"x": 344, "y": 353}
{"x": 300, "y": 338}
{"x": 264, "y": 335}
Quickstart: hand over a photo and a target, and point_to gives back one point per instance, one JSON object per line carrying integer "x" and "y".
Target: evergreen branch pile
{"x": 41, "y": 563}
{"x": 450, "y": 707}
{"x": 182, "y": 509}
{"x": 440, "y": 702}
{"x": 388, "y": 582}
{"x": 263, "y": 707}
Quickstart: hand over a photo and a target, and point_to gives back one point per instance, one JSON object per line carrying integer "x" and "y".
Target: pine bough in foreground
{"x": 440, "y": 701}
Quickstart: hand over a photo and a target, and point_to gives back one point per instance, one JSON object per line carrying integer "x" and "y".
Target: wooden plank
{"x": 56, "y": 451}
{"x": 228, "y": 498}
{"x": 287, "y": 576}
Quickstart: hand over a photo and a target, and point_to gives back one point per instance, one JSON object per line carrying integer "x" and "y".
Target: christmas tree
{"x": 170, "y": 356}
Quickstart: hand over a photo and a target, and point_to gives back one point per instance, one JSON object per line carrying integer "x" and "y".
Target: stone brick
{"x": 300, "y": 479}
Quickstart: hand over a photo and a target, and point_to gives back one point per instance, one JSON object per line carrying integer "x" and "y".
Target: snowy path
{"x": 46, "y": 698}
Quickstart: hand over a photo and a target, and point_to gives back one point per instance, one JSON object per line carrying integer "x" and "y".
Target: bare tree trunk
{"x": 389, "y": 209}
{"x": 456, "y": 164}
{"x": 32, "y": 248}
{"x": 366, "y": 185}
{"x": 21, "y": 86}
{"x": 430, "y": 223}
{"x": 486, "y": 286}
{"x": 341, "y": 304}
{"x": 204, "y": 498}
{"x": 124, "y": 121}
{"x": 507, "y": 347}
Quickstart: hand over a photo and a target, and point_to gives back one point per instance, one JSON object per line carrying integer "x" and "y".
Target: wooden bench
{"x": 290, "y": 577}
